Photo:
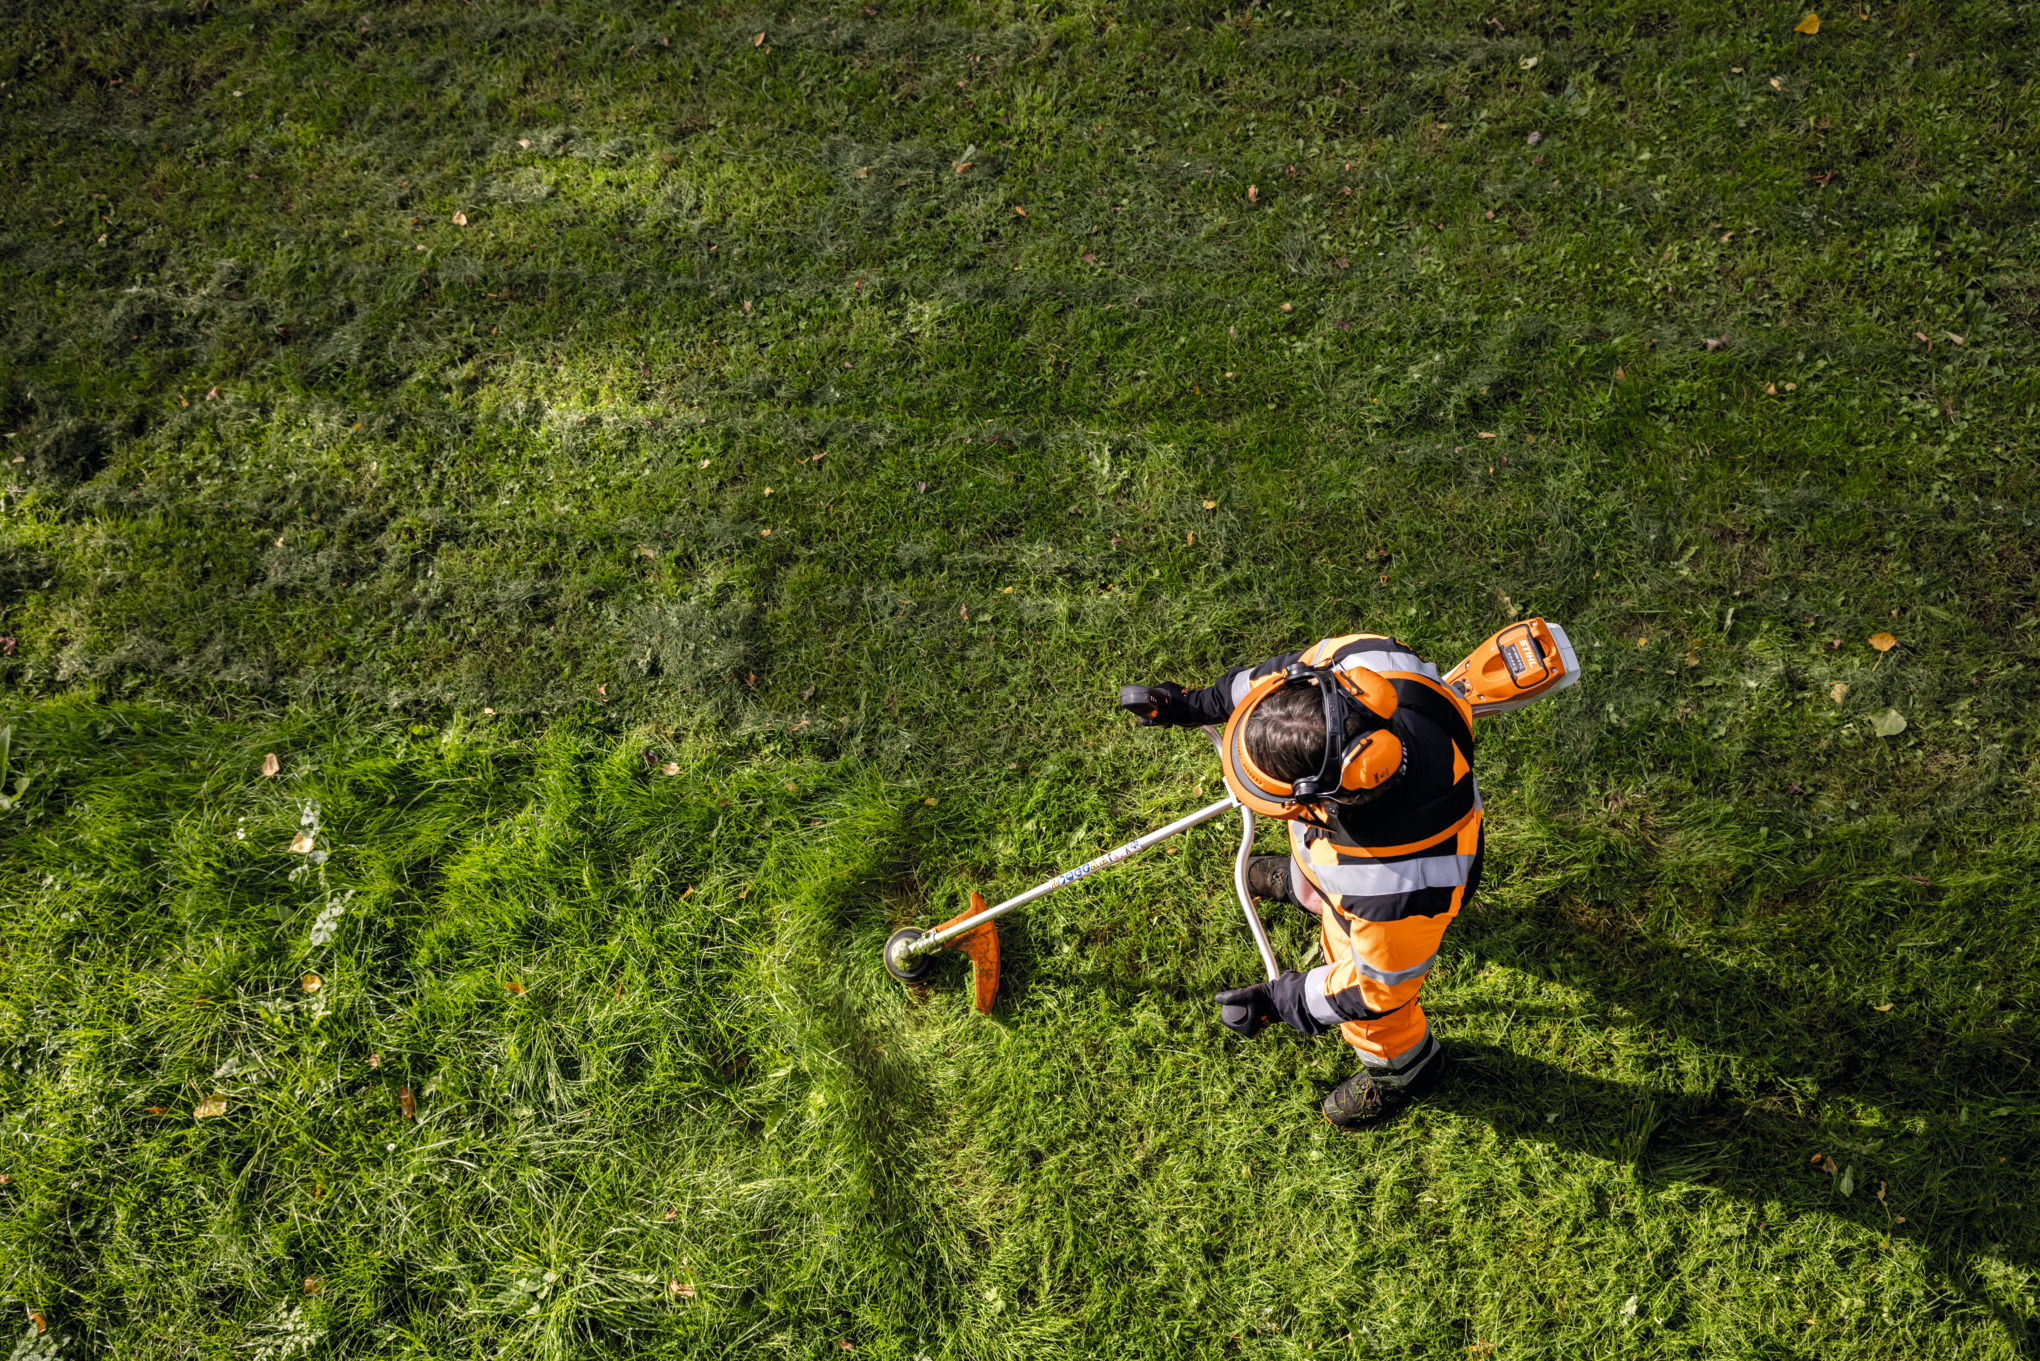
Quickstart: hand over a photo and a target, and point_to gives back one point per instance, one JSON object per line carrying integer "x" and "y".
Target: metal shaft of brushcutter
{"x": 1112, "y": 857}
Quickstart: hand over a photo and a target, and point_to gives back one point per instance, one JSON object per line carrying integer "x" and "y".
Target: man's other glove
{"x": 1157, "y": 706}
{"x": 1246, "y": 1011}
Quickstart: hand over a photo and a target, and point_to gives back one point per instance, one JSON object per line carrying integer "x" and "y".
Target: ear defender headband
{"x": 1347, "y": 766}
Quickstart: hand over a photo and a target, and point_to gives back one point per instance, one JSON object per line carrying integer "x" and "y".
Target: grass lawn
{"x": 677, "y": 488}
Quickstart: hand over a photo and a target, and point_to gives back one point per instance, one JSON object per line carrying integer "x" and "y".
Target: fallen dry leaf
{"x": 270, "y": 765}
{"x": 1924, "y": 339}
{"x": 314, "y": 1286}
{"x": 460, "y": 219}
{"x": 1484, "y": 434}
{"x": 1253, "y": 193}
{"x": 302, "y": 843}
{"x": 670, "y": 768}
{"x": 1883, "y": 642}
{"x": 216, "y": 1104}
{"x": 1957, "y": 339}
{"x": 1770, "y": 389}
{"x": 311, "y": 982}
{"x": 407, "y": 1103}
{"x": 35, "y": 1317}
{"x": 1090, "y": 257}
{"x": 1191, "y": 537}
{"x": 1620, "y": 376}
{"x": 514, "y": 988}
{"x": 758, "y": 41}
{"x": 1777, "y": 84}
{"x": 1018, "y": 209}
{"x": 1208, "y": 505}
{"x": 524, "y": 142}
{"x": 375, "y": 1060}
{"x": 684, "y": 1291}
{"x": 645, "y": 552}
{"x": 1838, "y": 692}
{"x": 1810, "y": 24}
{"x": 1827, "y": 1164}
{"x": 155, "y": 1110}
{"x": 1528, "y": 63}
{"x": 1885, "y": 1007}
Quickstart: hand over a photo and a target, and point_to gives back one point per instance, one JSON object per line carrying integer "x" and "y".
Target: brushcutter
{"x": 1522, "y": 663}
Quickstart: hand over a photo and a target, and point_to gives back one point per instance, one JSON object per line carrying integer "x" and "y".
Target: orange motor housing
{"x": 1525, "y": 661}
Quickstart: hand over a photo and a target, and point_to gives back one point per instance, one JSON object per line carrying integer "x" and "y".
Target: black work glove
{"x": 1157, "y": 706}
{"x": 1247, "y": 1011}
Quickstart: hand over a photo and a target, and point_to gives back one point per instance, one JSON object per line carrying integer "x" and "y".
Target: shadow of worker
{"x": 1756, "y": 1148}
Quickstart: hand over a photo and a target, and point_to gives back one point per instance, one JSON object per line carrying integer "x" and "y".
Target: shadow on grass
{"x": 1954, "y": 1189}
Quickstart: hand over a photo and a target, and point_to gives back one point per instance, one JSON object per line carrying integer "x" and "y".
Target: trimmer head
{"x": 980, "y": 943}
{"x": 906, "y": 968}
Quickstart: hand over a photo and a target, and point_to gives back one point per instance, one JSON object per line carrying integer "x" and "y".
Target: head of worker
{"x": 1305, "y": 742}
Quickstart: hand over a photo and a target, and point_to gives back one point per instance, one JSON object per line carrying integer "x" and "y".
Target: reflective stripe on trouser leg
{"x": 1395, "y": 1045}
{"x": 1408, "y": 1063}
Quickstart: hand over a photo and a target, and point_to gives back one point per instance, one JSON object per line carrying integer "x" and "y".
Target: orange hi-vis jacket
{"x": 1388, "y": 875}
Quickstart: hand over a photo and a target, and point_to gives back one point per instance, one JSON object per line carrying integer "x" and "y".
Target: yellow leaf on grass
{"x": 514, "y": 987}
{"x": 1253, "y": 193}
{"x": 1885, "y": 1007}
{"x": 670, "y": 768}
{"x": 460, "y": 219}
{"x": 1208, "y": 505}
{"x": 758, "y": 41}
{"x": 407, "y": 1103}
{"x": 1838, "y": 692}
{"x": 270, "y": 765}
{"x": 1019, "y": 210}
{"x": 302, "y": 843}
{"x": 1810, "y": 24}
{"x": 1883, "y": 642}
{"x": 216, "y": 1104}
{"x": 311, "y": 982}
{"x": 680, "y": 1288}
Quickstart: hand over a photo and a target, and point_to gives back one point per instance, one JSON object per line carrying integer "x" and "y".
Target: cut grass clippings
{"x": 674, "y": 517}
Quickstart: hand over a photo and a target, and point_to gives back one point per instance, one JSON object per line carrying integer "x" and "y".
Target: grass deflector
{"x": 1522, "y": 663}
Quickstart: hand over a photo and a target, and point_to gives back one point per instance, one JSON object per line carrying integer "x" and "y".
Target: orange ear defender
{"x": 1347, "y": 767}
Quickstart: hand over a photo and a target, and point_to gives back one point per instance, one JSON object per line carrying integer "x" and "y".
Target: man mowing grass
{"x": 1368, "y": 757}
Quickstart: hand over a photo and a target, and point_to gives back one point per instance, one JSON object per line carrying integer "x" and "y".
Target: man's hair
{"x": 1286, "y": 735}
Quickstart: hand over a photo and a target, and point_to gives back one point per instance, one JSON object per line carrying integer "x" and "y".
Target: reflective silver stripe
{"x": 1406, "y": 1065}
{"x": 1380, "y": 878}
{"x": 1394, "y": 976}
{"x": 1241, "y": 684}
{"x": 1314, "y": 994}
{"x": 1396, "y": 660}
